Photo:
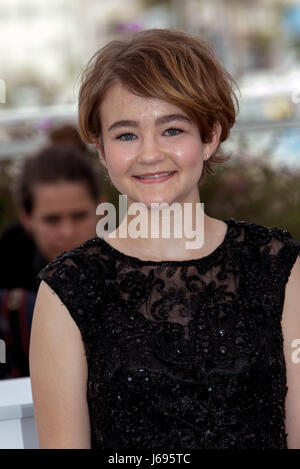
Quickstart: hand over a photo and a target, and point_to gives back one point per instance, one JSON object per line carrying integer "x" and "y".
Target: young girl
{"x": 141, "y": 342}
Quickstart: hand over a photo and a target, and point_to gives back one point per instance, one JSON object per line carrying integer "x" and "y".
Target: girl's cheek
{"x": 118, "y": 162}
{"x": 189, "y": 156}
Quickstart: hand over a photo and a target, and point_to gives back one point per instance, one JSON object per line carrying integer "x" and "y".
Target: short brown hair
{"x": 168, "y": 64}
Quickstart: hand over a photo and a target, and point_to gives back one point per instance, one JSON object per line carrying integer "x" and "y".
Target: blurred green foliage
{"x": 8, "y": 211}
{"x": 256, "y": 192}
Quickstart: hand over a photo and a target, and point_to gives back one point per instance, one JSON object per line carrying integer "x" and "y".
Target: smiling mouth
{"x": 156, "y": 176}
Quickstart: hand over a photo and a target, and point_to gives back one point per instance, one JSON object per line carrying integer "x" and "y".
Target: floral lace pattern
{"x": 183, "y": 354}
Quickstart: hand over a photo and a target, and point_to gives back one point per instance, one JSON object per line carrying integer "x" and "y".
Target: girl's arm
{"x": 291, "y": 335}
{"x": 58, "y": 371}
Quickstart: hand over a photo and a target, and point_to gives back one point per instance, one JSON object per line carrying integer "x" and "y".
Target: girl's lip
{"x": 154, "y": 180}
{"x": 153, "y": 174}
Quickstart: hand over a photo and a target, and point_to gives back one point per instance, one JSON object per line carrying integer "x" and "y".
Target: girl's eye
{"x": 120, "y": 137}
{"x": 176, "y": 130}
{"x": 124, "y": 135}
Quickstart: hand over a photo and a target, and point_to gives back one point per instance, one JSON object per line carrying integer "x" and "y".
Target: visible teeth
{"x": 156, "y": 175}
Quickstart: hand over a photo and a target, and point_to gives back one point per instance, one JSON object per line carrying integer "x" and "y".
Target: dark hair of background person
{"x": 66, "y": 133}
{"x": 55, "y": 163}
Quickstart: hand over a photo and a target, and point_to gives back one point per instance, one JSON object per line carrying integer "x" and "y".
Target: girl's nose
{"x": 150, "y": 151}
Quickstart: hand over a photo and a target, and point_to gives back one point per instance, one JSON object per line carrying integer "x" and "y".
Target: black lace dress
{"x": 183, "y": 354}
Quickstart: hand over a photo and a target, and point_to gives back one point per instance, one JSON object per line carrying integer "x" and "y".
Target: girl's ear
{"x": 100, "y": 149}
{"x": 215, "y": 140}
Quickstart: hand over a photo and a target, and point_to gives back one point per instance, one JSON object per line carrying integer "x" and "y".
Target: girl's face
{"x": 147, "y": 135}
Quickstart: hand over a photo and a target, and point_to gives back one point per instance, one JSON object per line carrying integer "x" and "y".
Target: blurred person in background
{"x": 56, "y": 193}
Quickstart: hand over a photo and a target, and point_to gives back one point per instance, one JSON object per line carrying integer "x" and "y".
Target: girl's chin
{"x": 154, "y": 203}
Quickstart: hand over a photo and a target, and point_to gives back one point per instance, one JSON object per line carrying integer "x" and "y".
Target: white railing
{"x": 17, "y": 423}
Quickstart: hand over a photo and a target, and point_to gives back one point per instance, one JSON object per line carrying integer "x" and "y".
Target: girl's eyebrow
{"x": 158, "y": 121}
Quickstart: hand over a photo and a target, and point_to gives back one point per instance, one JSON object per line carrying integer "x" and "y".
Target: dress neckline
{"x": 231, "y": 222}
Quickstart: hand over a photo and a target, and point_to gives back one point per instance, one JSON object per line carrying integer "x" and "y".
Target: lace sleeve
{"x": 67, "y": 278}
{"x": 284, "y": 252}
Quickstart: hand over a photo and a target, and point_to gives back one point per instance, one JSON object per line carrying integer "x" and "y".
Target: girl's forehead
{"x": 120, "y": 99}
